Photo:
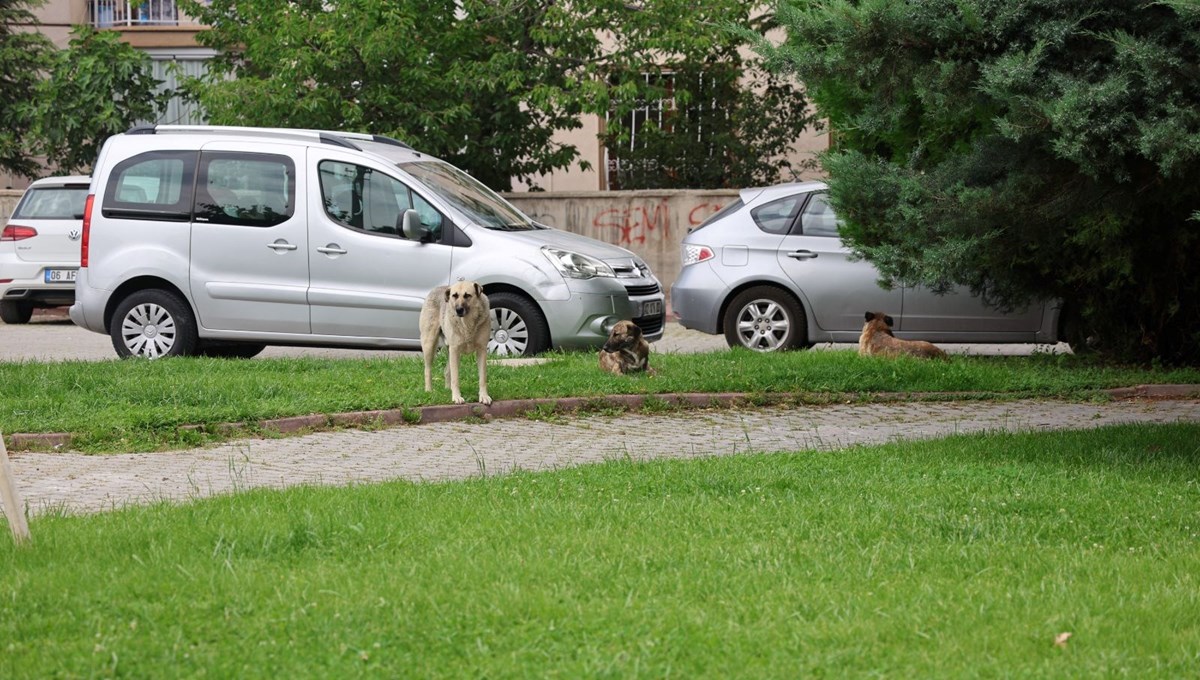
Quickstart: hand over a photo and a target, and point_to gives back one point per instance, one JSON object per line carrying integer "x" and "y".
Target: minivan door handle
{"x": 332, "y": 249}
{"x": 281, "y": 245}
{"x": 802, "y": 254}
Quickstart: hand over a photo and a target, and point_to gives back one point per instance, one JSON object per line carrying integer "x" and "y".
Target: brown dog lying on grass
{"x": 626, "y": 350}
{"x": 877, "y": 340}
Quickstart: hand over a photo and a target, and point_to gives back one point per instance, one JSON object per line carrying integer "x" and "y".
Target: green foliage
{"x": 24, "y": 54}
{"x": 97, "y": 87}
{"x": 482, "y": 84}
{"x": 1031, "y": 149}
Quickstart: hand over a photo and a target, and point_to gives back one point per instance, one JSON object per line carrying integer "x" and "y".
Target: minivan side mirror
{"x": 410, "y": 225}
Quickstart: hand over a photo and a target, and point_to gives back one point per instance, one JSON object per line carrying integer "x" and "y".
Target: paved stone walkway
{"x": 74, "y": 483}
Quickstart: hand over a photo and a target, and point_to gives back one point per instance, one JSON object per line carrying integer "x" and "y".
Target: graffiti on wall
{"x": 635, "y": 224}
{"x": 702, "y": 212}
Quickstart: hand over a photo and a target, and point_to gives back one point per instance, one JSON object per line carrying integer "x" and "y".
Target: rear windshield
{"x": 727, "y": 210}
{"x": 53, "y": 203}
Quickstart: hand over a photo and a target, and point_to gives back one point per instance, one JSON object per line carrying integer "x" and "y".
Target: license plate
{"x": 61, "y": 275}
{"x": 652, "y": 308}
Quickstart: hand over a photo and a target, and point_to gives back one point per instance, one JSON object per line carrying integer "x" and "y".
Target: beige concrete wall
{"x": 650, "y": 223}
{"x": 8, "y": 201}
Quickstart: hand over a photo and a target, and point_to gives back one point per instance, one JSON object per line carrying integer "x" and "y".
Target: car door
{"x": 959, "y": 312}
{"x": 836, "y": 289}
{"x": 366, "y": 279}
{"x": 249, "y": 238}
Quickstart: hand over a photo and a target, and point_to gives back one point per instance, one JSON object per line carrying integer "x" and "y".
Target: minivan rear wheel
{"x": 518, "y": 327}
{"x": 765, "y": 319}
{"x": 153, "y": 324}
{"x": 14, "y": 312}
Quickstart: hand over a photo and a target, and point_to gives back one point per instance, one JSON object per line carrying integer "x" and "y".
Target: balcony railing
{"x": 116, "y": 13}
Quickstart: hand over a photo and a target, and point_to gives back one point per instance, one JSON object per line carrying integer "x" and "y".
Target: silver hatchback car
{"x": 770, "y": 272}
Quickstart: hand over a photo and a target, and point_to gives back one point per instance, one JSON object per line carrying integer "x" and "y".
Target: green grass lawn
{"x": 962, "y": 557}
{"x": 120, "y": 405}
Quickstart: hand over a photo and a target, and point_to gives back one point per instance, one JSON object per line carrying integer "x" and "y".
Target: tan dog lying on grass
{"x": 877, "y": 340}
{"x": 626, "y": 350}
{"x": 461, "y": 314}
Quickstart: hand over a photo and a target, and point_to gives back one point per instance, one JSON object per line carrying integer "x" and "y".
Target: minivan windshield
{"x": 469, "y": 195}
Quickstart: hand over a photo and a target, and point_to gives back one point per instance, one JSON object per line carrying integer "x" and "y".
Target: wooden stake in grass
{"x": 11, "y": 498}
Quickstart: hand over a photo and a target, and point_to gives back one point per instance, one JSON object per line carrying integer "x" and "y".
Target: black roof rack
{"x": 142, "y": 130}
{"x": 388, "y": 140}
{"x": 327, "y": 138}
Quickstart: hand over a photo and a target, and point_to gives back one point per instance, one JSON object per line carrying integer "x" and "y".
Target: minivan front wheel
{"x": 765, "y": 319}
{"x": 518, "y": 327}
{"x": 152, "y": 324}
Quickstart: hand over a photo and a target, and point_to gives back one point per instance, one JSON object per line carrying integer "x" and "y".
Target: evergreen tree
{"x": 1025, "y": 148}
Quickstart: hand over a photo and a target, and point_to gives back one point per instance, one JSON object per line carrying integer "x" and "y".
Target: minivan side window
{"x": 367, "y": 200}
{"x": 156, "y": 185}
{"x": 818, "y": 218}
{"x": 246, "y": 189}
{"x": 777, "y": 216}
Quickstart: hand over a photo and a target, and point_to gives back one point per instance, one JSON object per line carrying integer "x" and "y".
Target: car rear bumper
{"x": 28, "y": 284}
{"x": 696, "y": 299}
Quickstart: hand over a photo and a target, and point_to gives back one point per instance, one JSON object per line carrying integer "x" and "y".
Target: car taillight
{"x": 87, "y": 231}
{"x": 14, "y": 232}
{"x": 693, "y": 254}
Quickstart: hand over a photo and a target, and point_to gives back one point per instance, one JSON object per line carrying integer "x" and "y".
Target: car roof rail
{"x": 335, "y": 137}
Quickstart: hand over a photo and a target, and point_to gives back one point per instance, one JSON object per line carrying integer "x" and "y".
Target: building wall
{"x": 8, "y": 201}
{"x": 650, "y": 223}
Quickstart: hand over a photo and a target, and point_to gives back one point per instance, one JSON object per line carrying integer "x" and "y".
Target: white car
{"x": 39, "y": 247}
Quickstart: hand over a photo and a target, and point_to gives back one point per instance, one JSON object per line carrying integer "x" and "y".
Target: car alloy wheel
{"x": 765, "y": 319}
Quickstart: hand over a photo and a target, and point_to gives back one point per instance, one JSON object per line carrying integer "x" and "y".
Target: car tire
{"x": 12, "y": 312}
{"x": 231, "y": 350}
{"x": 152, "y": 324}
{"x": 518, "y": 327}
{"x": 765, "y": 319}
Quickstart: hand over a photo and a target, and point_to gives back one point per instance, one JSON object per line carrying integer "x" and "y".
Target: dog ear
{"x": 447, "y": 293}
{"x": 888, "y": 320}
{"x": 635, "y": 330}
{"x": 478, "y": 290}
{"x": 870, "y": 315}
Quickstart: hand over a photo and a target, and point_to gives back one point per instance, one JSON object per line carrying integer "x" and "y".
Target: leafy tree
{"x": 1025, "y": 148}
{"x": 24, "y": 53}
{"x": 484, "y": 84}
{"x": 98, "y": 87}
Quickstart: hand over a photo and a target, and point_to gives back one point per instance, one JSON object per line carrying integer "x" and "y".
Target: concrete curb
{"x": 519, "y": 407}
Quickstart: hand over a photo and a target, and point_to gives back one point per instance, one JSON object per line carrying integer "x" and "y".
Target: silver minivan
{"x": 770, "y": 272}
{"x": 220, "y": 241}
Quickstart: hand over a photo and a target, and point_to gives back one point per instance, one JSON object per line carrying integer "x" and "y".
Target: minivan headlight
{"x": 575, "y": 265}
